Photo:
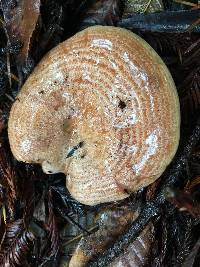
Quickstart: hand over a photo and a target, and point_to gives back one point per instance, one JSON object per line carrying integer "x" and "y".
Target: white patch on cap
{"x": 103, "y": 43}
{"x": 127, "y": 121}
{"x": 59, "y": 76}
{"x": 26, "y": 146}
{"x": 86, "y": 76}
{"x": 138, "y": 74}
{"x": 152, "y": 143}
{"x": 132, "y": 149}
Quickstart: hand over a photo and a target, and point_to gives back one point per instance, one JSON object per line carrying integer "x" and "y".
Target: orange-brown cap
{"x": 102, "y": 108}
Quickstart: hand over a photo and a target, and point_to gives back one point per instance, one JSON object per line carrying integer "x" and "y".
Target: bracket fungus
{"x": 102, "y": 108}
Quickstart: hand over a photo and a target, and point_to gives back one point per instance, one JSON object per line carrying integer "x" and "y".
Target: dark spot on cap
{"x": 121, "y": 104}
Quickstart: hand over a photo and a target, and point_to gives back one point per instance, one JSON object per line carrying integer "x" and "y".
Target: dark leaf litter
{"x": 40, "y": 222}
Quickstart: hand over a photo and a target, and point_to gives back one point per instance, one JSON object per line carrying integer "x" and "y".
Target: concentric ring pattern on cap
{"x": 102, "y": 108}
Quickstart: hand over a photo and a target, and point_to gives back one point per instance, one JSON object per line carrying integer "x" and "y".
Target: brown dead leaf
{"x": 20, "y": 22}
{"x": 112, "y": 223}
{"x": 137, "y": 253}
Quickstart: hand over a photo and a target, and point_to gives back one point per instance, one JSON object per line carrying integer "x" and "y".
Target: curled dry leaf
{"x": 112, "y": 223}
{"x": 20, "y": 23}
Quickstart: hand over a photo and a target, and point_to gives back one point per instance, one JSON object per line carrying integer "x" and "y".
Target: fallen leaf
{"x": 20, "y": 22}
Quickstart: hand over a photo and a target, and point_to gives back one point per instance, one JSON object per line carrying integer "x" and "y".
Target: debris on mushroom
{"x": 102, "y": 108}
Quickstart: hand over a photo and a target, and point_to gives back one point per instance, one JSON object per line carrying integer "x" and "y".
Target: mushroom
{"x": 102, "y": 108}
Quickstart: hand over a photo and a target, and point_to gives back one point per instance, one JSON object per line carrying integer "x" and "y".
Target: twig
{"x": 70, "y": 219}
{"x": 13, "y": 76}
{"x": 193, "y": 25}
{"x": 10, "y": 98}
{"x": 185, "y": 3}
{"x": 192, "y": 46}
{"x": 168, "y": 21}
{"x": 152, "y": 208}
{"x": 80, "y": 236}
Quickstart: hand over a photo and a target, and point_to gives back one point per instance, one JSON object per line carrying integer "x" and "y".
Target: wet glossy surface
{"x": 108, "y": 90}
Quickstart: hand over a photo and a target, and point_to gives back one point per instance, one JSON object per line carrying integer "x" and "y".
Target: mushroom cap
{"x": 102, "y": 108}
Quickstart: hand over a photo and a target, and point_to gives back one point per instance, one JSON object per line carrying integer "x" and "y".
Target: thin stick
{"x": 185, "y": 3}
{"x": 80, "y": 236}
{"x": 70, "y": 219}
{"x": 13, "y": 76}
{"x": 193, "y": 25}
{"x": 10, "y": 98}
